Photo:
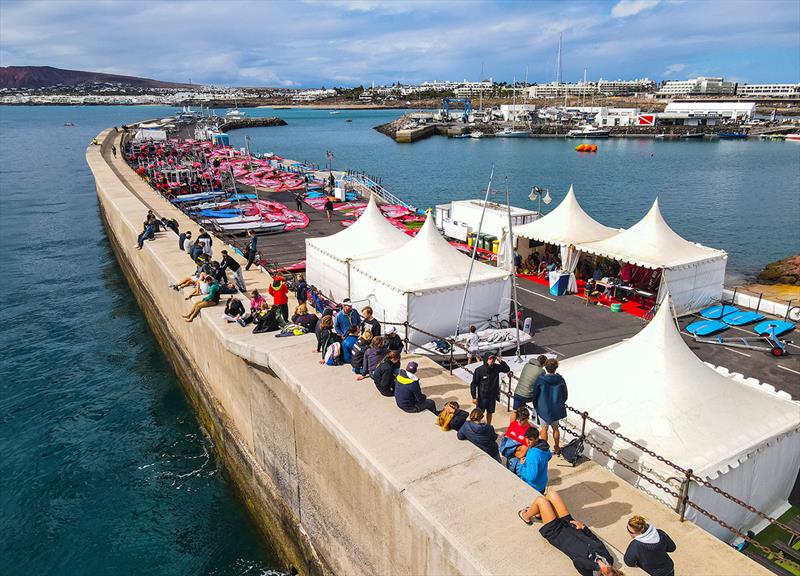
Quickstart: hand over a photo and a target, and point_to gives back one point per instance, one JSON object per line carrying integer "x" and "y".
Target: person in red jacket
{"x": 280, "y": 295}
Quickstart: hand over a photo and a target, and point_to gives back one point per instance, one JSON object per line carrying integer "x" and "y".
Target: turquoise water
{"x": 104, "y": 469}
{"x": 740, "y": 196}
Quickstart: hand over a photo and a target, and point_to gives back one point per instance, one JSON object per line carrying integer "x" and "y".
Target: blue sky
{"x": 349, "y": 42}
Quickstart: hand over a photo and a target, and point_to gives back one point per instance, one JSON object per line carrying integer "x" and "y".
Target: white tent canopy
{"x": 328, "y": 259}
{"x": 422, "y": 282}
{"x": 654, "y": 390}
{"x": 567, "y": 224}
{"x": 693, "y": 273}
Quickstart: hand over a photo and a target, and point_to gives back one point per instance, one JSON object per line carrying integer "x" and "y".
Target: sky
{"x": 310, "y": 43}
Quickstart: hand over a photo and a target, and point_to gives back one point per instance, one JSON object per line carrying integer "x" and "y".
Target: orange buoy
{"x": 594, "y": 147}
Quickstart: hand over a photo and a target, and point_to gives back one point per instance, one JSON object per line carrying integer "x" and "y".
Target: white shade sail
{"x": 567, "y": 224}
{"x": 657, "y": 392}
{"x": 427, "y": 262}
{"x": 653, "y": 244}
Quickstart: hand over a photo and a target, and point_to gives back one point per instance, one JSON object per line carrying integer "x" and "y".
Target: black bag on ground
{"x": 572, "y": 451}
{"x": 266, "y": 322}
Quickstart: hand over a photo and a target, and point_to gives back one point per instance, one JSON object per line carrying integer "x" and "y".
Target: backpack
{"x": 266, "y": 322}
{"x": 333, "y": 354}
{"x": 572, "y": 451}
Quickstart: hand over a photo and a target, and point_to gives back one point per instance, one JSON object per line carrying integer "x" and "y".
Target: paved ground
{"x": 566, "y": 326}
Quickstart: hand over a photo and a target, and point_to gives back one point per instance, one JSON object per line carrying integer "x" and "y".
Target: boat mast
{"x": 474, "y": 253}
{"x": 513, "y": 267}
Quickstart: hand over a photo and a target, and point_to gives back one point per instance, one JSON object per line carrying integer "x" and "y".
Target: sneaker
{"x": 241, "y": 323}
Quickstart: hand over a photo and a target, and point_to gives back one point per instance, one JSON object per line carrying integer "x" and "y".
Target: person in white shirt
{"x": 472, "y": 346}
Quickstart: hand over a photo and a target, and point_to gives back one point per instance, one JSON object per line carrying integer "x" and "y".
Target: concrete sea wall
{"x": 334, "y": 475}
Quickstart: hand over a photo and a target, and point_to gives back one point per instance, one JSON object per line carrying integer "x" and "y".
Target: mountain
{"x": 43, "y": 76}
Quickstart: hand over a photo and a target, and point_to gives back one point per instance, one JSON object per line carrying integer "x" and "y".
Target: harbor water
{"x": 105, "y": 468}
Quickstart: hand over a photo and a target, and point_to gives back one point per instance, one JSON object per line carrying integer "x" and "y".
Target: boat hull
{"x": 492, "y": 340}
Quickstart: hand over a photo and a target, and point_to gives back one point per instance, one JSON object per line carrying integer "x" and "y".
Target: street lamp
{"x": 537, "y": 192}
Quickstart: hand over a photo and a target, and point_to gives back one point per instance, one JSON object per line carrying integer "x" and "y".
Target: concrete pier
{"x": 334, "y": 474}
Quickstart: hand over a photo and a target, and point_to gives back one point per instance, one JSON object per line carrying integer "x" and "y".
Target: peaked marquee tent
{"x": 329, "y": 259}
{"x": 694, "y": 274}
{"x": 566, "y": 226}
{"x": 738, "y": 434}
{"x": 422, "y": 282}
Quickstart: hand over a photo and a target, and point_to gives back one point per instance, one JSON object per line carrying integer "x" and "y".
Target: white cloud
{"x": 674, "y": 69}
{"x": 625, "y": 8}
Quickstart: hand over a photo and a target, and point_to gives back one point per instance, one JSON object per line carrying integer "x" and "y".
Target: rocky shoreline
{"x": 252, "y": 123}
{"x": 785, "y": 271}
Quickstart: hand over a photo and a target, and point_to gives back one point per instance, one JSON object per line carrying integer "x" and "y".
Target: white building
{"x": 517, "y": 112}
{"x": 555, "y": 90}
{"x": 769, "y": 90}
{"x": 618, "y": 117}
{"x": 700, "y": 85}
{"x": 706, "y": 113}
{"x": 616, "y": 87}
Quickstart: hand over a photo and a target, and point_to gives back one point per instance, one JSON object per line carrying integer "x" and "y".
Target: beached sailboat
{"x": 260, "y": 227}
{"x": 490, "y": 341}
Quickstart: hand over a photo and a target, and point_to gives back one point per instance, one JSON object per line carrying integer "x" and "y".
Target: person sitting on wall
{"x": 393, "y": 340}
{"x": 302, "y": 317}
{"x": 346, "y": 318}
{"x": 588, "y": 553}
{"x": 452, "y": 417}
{"x": 480, "y": 434}
{"x": 373, "y": 355}
{"x": 384, "y": 374}
{"x": 183, "y": 238}
{"x": 358, "y": 351}
{"x": 234, "y": 310}
{"x": 533, "y": 456}
{"x": 369, "y": 322}
{"x": 348, "y": 343}
{"x": 211, "y": 299}
{"x": 407, "y": 392}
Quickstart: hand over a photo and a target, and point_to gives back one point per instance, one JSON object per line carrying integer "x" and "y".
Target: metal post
{"x": 584, "y": 415}
{"x": 684, "y": 498}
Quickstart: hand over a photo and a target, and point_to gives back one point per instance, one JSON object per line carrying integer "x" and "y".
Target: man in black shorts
{"x": 485, "y": 387}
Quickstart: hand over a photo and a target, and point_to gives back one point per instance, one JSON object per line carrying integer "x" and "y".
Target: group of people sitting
{"x": 535, "y": 264}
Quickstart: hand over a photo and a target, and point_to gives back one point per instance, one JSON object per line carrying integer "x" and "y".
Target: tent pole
{"x": 513, "y": 267}
{"x": 474, "y": 253}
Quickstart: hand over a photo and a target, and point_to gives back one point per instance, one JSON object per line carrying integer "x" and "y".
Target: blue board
{"x": 780, "y": 327}
{"x": 718, "y": 311}
{"x": 742, "y": 317}
{"x": 706, "y": 327}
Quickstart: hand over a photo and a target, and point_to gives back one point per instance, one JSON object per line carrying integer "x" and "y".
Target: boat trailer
{"x": 768, "y": 342}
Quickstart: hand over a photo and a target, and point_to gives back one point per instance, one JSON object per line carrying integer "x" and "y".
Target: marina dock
{"x": 328, "y": 467}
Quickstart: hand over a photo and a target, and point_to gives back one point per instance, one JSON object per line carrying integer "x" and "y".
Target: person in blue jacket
{"x": 407, "y": 392}
{"x": 480, "y": 434}
{"x": 348, "y": 343}
{"x": 346, "y": 318}
{"x": 549, "y": 401}
{"x": 534, "y": 456}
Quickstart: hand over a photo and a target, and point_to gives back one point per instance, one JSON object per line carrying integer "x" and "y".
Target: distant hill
{"x": 43, "y": 76}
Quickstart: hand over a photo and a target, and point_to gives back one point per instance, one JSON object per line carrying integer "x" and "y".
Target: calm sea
{"x": 104, "y": 467}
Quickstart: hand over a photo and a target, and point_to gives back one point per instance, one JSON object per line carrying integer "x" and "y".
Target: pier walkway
{"x": 450, "y": 507}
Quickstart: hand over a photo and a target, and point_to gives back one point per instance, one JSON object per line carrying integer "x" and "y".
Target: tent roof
{"x": 657, "y": 392}
{"x": 427, "y": 262}
{"x": 371, "y": 235}
{"x": 653, "y": 244}
{"x": 566, "y": 224}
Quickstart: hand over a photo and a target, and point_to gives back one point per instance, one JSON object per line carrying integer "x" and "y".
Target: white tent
{"x": 422, "y": 283}
{"x": 740, "y": 435}
{"x": 566, "y": 226}
{"x": 328, "y": 259}
{"x": 694, "y": 274}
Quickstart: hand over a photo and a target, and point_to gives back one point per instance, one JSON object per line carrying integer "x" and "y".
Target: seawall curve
{"x": 334, "y": 474}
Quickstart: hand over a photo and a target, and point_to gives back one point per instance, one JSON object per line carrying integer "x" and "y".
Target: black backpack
{"x": 572, "y": 451}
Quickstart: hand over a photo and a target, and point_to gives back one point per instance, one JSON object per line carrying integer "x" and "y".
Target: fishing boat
{"x": 792, "y": 137}
{"x": 260, "y": 227}
{"x": 477, "y": 134}
{"x": 511, "y": 133}
{"x": 490, "y": 341}
{"x": 588, "y": 131}
{"x": 732, "y": 135}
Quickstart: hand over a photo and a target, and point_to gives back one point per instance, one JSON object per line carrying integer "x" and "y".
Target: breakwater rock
{"x": 252, "y": 123}
{"x": 786, "y": 271}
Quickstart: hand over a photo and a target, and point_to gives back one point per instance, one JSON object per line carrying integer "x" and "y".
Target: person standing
{"x": 280, "y": 295}
{"x": 472, "y": 345}
{"x": 549, "y": 401}
{"x": 649, "y": 549}
{"x": 298, "y": 198}
{"x": 252, "y": 248}
{"x": 230, "y": 263}
{"x": 302, "y": 289}
{"x": 205, "y": 239}
{"x": 523, "y": 393}
{"x": 329, "y": 207}
{"x": 368, "y": 321}
{"x": 114, "y": 150}
{"x": 346, "y": 318}
{"x": 485, "y": 386}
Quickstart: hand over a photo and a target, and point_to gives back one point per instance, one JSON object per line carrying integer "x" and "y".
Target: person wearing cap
{"x": 368, "y": 321}
{"x": 485, "y": 386}
{"x": 229, "y": 263}
{"x": 407, "y": 392}
{"x": 280, "y": 295}
{"x": 393, "y": 340}
{"x": 346, "y": 318}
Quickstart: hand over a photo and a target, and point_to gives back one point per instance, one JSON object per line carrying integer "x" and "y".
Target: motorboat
{"x": 260, "y": 227}
{"x": 511, "y": 133}
{"x": 460, "y": 136}
{"x": 732, "y": 135}
{"x": 588, "y": 131}
{"x": 792, "y": 137}
{"x": 333, "y": 112}
{"x": 490, "y": 340}
{"x": 235, "y": 114}
{"x": 69, "y": 124}
{"x": 477, "y": 134}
